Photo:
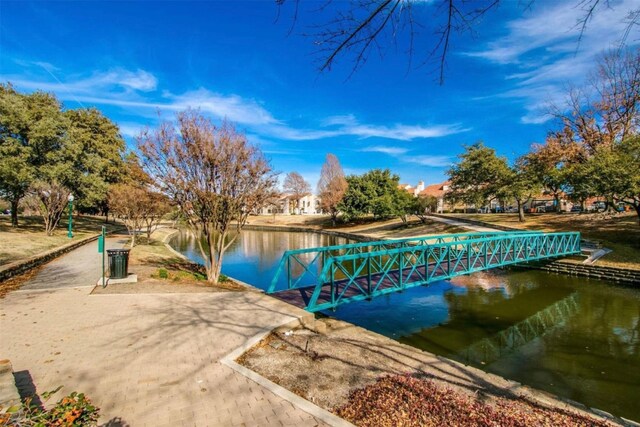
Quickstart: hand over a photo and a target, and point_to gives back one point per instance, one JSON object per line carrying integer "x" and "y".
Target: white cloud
{"x": 232, "y": 107}
{"x": 114, "y": 80}
{"x": 427, "y": 160}
{"x": 136, "y": 80}
{"x": 419, "y": 159}
{"x": 385, "y": 150}
{"x": 345, "y": 120}
{"x": 128, "y": 90}
{"x": 546, "y": 50}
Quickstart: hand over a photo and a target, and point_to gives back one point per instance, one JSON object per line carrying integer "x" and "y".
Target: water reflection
{"x": 574, "y": 337}
{"x": 254, "y": 256}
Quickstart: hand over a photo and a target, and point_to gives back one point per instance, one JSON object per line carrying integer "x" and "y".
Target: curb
{"x": 294, "y": 399}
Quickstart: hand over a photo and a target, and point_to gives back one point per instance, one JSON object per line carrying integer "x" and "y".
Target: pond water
{"x": 574, "y": 337}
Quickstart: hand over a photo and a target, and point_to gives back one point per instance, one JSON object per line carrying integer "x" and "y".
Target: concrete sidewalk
{"x": 462, "y": 224}
{"x": 80, "y": 267}
{"x": 146, "y": 360}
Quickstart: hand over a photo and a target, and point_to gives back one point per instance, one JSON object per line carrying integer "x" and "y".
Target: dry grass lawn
{"x": 29, "y": 238}
{"x": 389, "y": 229}
{"x": 621, "y": 233}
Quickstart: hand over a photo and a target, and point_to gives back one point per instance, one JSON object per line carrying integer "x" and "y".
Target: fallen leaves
{"x": 407, "y": 401}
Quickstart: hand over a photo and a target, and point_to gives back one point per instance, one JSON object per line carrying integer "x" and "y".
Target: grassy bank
{"x": 29, "y": 238}
{"x": 388, "y": 229}
{"x": 621, "y": 233}
{"x": 161, "y": 270}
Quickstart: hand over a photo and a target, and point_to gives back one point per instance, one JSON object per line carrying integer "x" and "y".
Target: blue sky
{"x": 233, "y": 59}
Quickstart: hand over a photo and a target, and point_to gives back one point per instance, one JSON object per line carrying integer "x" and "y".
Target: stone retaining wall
{"x": 23, "y": 266}
{"x": 624, "y": 275}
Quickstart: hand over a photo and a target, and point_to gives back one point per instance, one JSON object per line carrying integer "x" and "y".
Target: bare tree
{"x": 295, "y": 185}
{"x": 157, "y": 206}
{"x": 363, "y": 27}
{"x": 607, "y": 110}
{"x": 129, "y": 203}
{"x": 331, "y": 186}
{"x": 50, "y": 199}
{"x": 212, "y": 174}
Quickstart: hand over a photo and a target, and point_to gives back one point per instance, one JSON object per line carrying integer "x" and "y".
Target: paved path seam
{"x": 230, "y": 361}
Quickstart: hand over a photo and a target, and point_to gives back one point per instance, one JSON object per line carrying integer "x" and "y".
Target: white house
{"x": 285, "y": 205}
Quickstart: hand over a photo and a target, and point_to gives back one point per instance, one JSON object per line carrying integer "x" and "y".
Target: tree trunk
{"x": 520, "y": 211}
{"x": 556, "y": 198}
{"x": 637, "y": 207}
{"x": 14, "y": 212}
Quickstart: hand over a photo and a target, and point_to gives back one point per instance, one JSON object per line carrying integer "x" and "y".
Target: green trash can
{"x": 118, "y": 263}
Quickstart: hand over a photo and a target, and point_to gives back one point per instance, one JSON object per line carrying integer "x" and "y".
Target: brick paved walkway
{"x": 80, "y": 267}
{"x": 145, "y": 360}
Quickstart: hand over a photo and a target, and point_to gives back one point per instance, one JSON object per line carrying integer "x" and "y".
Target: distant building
{"x": 438, "y": 191}
{"x": 286, "y": 205}
{"x": 411, "y": 189}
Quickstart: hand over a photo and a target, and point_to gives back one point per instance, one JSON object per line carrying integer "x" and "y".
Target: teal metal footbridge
{"x": 324, "y": 278}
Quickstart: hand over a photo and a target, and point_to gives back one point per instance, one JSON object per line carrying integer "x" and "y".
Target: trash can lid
{"x": 118, "y": 251}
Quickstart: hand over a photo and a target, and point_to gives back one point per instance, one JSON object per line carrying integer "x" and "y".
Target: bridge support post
{"x": 401, "y": 266}
{"x": 369, "y": 277}
{"x": 484, "y": 247}
{"x": 334, "y": 291}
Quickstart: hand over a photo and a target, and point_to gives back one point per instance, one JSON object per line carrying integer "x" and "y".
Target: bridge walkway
{"x": 321, "y": 278}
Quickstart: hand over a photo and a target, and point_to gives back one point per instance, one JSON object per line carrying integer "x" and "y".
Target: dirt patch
{"x": 326, "y": 368}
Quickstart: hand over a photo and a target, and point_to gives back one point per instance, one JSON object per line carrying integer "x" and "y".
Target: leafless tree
{"x": 363, "y": 27}
{"x": 157, "y": 206}
{"x": 295, "y": 185}
{"x": 212, "y": 174}
{"x": 607, "y": 110}
{"x": 331, "y": 186}
{"x": 50, "y": 199}
{"x": 130, "y": 203}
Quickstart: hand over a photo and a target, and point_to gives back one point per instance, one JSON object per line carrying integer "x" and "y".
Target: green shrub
{"x": 223, "y": 278}
{"x": 163, "y": 273}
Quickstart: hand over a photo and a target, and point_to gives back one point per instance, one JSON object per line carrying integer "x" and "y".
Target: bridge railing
{"x": 359, "y": 276}
{"x": 301, "y": 267}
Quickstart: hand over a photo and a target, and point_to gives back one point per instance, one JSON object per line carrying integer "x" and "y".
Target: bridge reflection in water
{"x": 511, "y": 339}
{"x": 323, "y": 278}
